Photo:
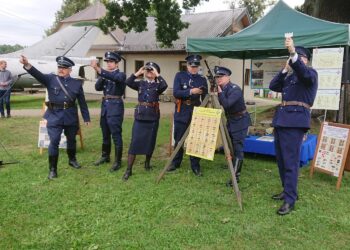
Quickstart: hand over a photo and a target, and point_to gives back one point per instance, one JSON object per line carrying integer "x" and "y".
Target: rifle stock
{"x": 211, "y": 78}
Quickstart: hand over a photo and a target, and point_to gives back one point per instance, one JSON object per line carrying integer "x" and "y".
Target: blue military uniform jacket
{"x": 231, "y": 98}
{"x": 69, "y": 116}
{"x": 183, "y": 83}
{"x": 300, "y": 86}
{"x": 148, "y": 92}
{"x": 111, "y": 83}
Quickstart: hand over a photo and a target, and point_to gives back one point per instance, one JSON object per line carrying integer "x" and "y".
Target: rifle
{"x": 211, "y": 79}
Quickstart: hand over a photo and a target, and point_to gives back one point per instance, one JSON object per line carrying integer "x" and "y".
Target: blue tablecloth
{"x": 252, "y": 145}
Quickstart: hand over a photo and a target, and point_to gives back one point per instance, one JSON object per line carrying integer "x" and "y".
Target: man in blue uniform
{"x": 112, "y": 82}
{"x": 190, "y": 89}
{"x": 61, "y": 113}
{"x": 238, "y": 119}
{"x": 292, "y": 119}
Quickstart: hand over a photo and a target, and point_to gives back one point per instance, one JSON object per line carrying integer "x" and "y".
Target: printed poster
{"x": 204, "y": 128}
{"x": 44, "y": 140}
{"x": 331, "y": 151}
{"x": 328, "y": 63}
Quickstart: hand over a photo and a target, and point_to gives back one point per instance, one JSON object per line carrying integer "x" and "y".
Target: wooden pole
{"x": 212, "y": 99}
{"x": 179, "y": 145}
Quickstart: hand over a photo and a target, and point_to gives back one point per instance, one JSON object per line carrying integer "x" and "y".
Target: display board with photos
{"x": 264, "y": 70}
{"x": 332, "y": 150}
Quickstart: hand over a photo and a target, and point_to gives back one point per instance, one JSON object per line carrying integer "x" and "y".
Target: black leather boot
{"x": 53, "y": 159}
{"x": 106, "y": 151}
{"x": 147, "y": 163}
{"x": 237, "y": 166}
{"x": 197, "y": 171}
{"x": 172, "y": 167}
{"x": 118, "y": 159}
{"x": 72, "y": 160}
{"x": 128, "y": 171}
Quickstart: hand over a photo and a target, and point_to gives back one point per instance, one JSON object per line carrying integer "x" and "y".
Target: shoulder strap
{"x": 64, "y": 89}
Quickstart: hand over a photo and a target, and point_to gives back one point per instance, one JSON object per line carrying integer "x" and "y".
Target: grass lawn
{"x": 91, "y": 208}
{"x": 36, "y": 102}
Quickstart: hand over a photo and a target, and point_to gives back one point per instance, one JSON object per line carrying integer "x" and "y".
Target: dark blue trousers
{"x": 5, "y": 98}
{"x": 237, "y": 139}
{"x": 288, "y": 143}
{"x": 179, "y": 131}
{"x": 55, "y": 137}
{"x": 112, "y": 126}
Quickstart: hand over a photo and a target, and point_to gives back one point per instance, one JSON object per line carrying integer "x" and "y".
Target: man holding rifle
{"x": 190, "y": 88}
{"x": 238, "y": 119}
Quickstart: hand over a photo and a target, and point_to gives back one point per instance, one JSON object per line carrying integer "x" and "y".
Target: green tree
{"x": 6, "y": 48}
{"x": 335, "y": 10}
{"x": 255, "y": 8}
{"x": 68, "y": 8}
{"x": 128, "y": 15}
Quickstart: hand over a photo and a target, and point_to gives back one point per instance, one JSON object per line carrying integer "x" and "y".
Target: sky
{"x": 24, "y": 21}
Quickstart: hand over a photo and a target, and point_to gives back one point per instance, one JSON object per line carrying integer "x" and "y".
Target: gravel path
{"x": 166, "y": 108}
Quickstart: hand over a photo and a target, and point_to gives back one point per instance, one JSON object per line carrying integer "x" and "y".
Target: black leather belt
{"x": 149, "y": 104}
{"x": 186, "y": 102}
{"x": 65, "y": 105}
{"x": 106, "y": 97}
{"x": 295, "y": 103}
{"x": 237, "y": 114}
{"x": 189, "y": 102}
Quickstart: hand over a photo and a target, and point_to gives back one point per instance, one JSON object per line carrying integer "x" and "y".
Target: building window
{"x": 138, "y": 65}
{"x": 182, "y": 66}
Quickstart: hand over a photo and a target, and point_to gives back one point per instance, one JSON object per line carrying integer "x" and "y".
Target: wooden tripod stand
{"x": 211, "y": 101}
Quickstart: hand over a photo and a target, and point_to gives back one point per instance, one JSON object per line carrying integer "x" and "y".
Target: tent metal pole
{"x": 346, "y": 83}
{"x": 243, "y": 76}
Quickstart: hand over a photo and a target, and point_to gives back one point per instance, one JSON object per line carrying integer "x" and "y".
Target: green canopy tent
{"x": 265, "y": 38}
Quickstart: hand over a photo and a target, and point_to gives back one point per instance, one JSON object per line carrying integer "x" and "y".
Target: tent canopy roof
{"x": 265, "y": 38}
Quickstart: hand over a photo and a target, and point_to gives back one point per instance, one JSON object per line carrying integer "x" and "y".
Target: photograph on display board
{"x": 264, "y": 70}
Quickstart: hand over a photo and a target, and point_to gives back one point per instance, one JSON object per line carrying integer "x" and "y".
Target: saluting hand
{"x": 93, "y": 64}
{"x": 141, "y": 71}
{"x": 289, "y": 43}
{"x": 24, "y": 60}
{"x": 155, "y": 71}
